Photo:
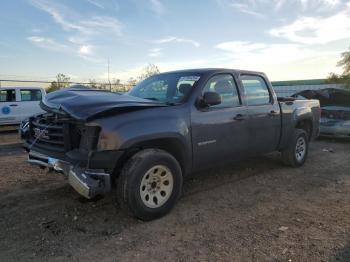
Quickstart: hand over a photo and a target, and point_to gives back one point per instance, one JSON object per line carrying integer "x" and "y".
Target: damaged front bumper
{"x": 87, "y": 182}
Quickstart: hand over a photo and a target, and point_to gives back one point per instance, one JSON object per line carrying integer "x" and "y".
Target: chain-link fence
{"x": 113, "y": 86}
{"x": 285, "y": 90}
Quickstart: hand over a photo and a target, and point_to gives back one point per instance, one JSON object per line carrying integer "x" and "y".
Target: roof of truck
{"x": 21, "y": 87}
{"x": 213, "y": 70}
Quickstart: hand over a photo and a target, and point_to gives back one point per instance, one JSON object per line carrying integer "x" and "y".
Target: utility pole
{"x": 109, "y": 81}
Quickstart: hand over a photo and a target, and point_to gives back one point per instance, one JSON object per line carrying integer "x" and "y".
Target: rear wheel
{"x": 150, "y": 184}
{"x": 296, "y": 153}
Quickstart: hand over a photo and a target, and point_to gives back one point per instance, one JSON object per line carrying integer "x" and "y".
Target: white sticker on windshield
{"x": 190, "y": 78}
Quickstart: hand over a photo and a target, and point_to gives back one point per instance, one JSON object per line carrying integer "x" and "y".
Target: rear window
{"x": 30, "y": 95}
{"x": 7, "y": 95}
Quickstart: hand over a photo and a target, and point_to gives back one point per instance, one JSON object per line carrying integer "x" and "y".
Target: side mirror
{"x": 211, "y": 99}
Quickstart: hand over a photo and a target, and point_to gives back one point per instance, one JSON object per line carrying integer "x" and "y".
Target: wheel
{"x": 149, "y": 184}
{"x": 296, "y": 153}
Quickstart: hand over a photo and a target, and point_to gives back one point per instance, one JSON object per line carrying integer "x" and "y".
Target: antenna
{"x": 109, "y": 81}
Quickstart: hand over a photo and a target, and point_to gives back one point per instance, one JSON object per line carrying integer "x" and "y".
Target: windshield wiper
{"x": 168, "y": 103}
{"x": 171, "y": 103}
{"x": 152, "y": 98}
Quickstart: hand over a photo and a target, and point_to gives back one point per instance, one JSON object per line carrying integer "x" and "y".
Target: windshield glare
{"x": 167, "y": 88}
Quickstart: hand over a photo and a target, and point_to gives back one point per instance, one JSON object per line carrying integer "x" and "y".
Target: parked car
{"x": 335, "y": 110}
{"x": 19, "y": 103}
{"x": 170, "y": 125}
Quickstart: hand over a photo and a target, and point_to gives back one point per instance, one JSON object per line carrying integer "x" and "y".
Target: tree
{"x": 345, "y": 62}
{"x": 131, "y": 81}
{"x": 93, "y": 83}
{"x": 345, "y": 77}
{"x": 148, "y": 71}
{"x": 62, "y": 81}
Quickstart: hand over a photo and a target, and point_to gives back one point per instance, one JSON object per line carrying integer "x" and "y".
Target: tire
{"x": 149, "y": 184}
{"x": 296, "y": 153}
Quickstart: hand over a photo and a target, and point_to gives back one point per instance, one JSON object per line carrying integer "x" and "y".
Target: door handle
{"x": 239, "y": 117}
{"x": 13, "y": 105}
{"x": 273, "y": 113}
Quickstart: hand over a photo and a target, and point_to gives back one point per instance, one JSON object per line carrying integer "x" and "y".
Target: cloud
{"x": 48, "y": 43}
{"x": 170, "y": 39}
{"x": 80, "y": 31}
{"x": 157, "y": 7}
{"x": 96, "y": 4}
{"x": 258, "y": 8}
{"x": 319, "y": 4}
{"x": 240, "y": 46}
{"x": 279, "y": 61}
{"x": 85, "y": 50}
{"x": 316, "y": 30}
{"x": 155, "y": 52}
{"x": 252, "y": 54}
{"x": 86, "y": 27}
{"x": 245, "y": 8}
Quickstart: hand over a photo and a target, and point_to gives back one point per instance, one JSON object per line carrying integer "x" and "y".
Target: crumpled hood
{"x": 84, "y": 103}
{"x": 327, "y": 96}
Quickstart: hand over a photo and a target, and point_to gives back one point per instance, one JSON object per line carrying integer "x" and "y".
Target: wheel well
{"x": 305, "y": 125}
{"x": 170, "y": 145}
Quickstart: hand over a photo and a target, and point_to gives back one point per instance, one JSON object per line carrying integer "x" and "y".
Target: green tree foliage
{"x": 345, "y": 62}
{"x": 345, "y": 77}
{"x": 62, "y": 81}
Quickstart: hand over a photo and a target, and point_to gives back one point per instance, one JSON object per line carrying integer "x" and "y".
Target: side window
{"x": 226, "y": 87}
{"x": 256, "y": 91}
{"x": 30, "y": 95}
{"x": 8, "y": 95}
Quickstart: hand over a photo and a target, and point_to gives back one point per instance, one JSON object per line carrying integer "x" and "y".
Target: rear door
{"x": 9, "y": 111}
{"x": 264, "y": 114}
{"x": 30, "y": 100}
{"x": 219, "y": 133}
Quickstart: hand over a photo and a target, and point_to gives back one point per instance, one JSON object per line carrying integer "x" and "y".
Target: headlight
{"x": 89, "y": 137}
{"x": 107, "y": 141}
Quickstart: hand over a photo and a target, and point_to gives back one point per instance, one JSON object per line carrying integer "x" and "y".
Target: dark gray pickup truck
{"x": 141, "y": 144}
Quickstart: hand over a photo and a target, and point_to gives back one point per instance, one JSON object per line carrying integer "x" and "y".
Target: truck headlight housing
{"x": 89, "y": 137}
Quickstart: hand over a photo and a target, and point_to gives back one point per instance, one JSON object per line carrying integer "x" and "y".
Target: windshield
{"x": 167, "y": 88}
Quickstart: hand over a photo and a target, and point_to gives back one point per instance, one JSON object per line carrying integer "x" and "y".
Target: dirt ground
{"x": 9, "y": 136}
{"x": 256, "y": 210}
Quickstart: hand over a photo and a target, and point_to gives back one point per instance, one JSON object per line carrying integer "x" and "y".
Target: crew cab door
{"x": 264, "y": 121}
{"x": 219, "y": 133}
{"x": 9, "y": 112}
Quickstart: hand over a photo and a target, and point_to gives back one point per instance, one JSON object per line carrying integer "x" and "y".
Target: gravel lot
{"x": 256, "y": 210}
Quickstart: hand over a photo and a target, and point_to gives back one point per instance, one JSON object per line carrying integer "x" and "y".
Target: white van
{"x": 19, "y": 103}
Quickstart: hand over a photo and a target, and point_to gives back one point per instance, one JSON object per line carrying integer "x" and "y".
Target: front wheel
{"x": 296, "y": 153}
{"x": 149, "y": 184}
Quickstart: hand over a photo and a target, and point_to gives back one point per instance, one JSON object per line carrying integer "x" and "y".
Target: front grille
{"x": 50, "y": 132}
{"x": 336, "y": 114}
{"x": 53, "y": 134}
{"x": 346, "y": 116}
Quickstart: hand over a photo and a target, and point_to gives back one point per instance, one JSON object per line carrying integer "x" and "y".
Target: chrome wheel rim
{"x": 156, "y": 186}
{"x": 300, "y": 149}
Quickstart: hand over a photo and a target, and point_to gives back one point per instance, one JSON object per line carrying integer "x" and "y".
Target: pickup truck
{"x": 140, "y": 145}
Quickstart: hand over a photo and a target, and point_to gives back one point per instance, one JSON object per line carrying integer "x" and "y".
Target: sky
{"x": 294, "y": 39}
